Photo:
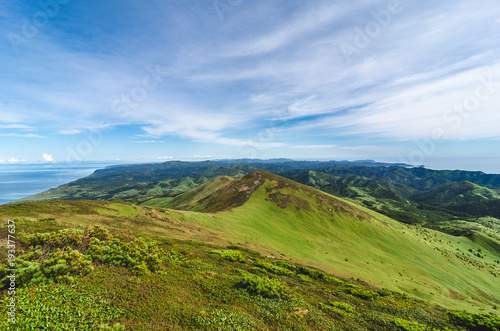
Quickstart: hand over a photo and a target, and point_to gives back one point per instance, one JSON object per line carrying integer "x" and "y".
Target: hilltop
{"x": 395, "y": 190}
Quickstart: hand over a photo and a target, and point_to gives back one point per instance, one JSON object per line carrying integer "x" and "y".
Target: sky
{"x": 398, "y": 80}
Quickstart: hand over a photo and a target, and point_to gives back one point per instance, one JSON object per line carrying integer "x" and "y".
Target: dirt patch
{"x": 455, "y": 295}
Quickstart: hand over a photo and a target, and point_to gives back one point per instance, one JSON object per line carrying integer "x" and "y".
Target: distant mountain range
{"x": 457, "y": 202}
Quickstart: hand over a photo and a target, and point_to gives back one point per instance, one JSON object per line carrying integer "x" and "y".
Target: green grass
{"x": 297, "y": 223}
{"x": 360, "y": 243}
{"x": 201, "y": 291}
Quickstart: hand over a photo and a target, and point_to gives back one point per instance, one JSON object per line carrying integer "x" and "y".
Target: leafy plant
{"x": 59, "y": 307}
{"x": 230, "y": 255}
{"x": 478, "y": 322}
{"x": 264, "y": 286}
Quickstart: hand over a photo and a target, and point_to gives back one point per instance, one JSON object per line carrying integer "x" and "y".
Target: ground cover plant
{"x": 127, "y": 282}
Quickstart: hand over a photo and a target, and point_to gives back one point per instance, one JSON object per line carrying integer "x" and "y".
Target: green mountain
{"x": 332, "y": 264}
{"x": 457, "y": 208}
{"x": 138, "y": 183}
{"x": 455, "y": 194}
{"x": 334, "y": 234}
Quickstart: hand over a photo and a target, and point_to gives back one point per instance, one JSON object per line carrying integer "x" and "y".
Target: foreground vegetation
{"x": 92, "y": 279}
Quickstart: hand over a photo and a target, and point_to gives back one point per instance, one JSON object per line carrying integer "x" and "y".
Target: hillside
{"x": 195, "y": 277}
{"x": 394, "y": 190}
{"x": 457, "y": 193}
{"x": 457, "y": 208}
{"x": 148, "y": 181}
{"x": 312, "y": 227}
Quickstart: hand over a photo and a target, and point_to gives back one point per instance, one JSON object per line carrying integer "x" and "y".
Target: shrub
{"x": 58, "y": 307}
{"x": 221, "y": 319}
{"x": 264, "y": 286}
{"x": 288, "y": 265}
{"x": 59, "y": 257}
{"x": 362, "y": 293}
{"x": 318, "y": 275}
{"x": 405, "y": 325}
{"x": 276, "y": 269}
{"x": 230, "y": 255}
{"x": 342, "y": 305}
{"x": 138, "y": 254}
{"x": 476, "y": 321}
{"x": 59, "y": 267}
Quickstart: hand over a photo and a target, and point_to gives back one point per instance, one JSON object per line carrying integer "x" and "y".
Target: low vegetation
{"x": 141, "y": 284}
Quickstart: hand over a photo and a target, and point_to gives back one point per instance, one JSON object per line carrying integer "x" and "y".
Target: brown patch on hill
{"x": 235, "y": 194}
{"x": 282, "y": 191}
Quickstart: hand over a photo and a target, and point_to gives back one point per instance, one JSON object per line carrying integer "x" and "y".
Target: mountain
{"x": 313, "y": 227}
{"x": 395, "y": 190}
{"x": 330, "y": 263}
{"x": 456, "y": 193}
{"x": 457, "y": 208}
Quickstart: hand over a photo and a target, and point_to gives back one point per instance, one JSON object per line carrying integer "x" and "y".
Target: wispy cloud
{"x": 150, "y": 142}
{"x": 315, "y": 146}
{"x": 269, "y": 65}
{"x": 30, "y": 135}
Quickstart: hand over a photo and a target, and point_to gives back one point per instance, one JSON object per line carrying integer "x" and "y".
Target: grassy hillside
{"x": 160, "y": 270}
{"x": 458, "y": 208}
{"x": 309, "y": 226}
{"x": 457, "y": 202}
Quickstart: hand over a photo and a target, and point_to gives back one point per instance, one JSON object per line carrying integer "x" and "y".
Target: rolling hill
{"x": 312, "y": 227}
{"x": 395, "y": 190}
{"x": 330, "y": 263}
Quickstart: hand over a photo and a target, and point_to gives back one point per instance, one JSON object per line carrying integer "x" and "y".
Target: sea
{"x": 18, "y": 181}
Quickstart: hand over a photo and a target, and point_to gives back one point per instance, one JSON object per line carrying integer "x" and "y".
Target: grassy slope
{"x": 196, "y": 289}
{"x": 203, "y": 292}
{"x": 377, "y": 249}
{"x": 346, "y": 240}
{"x": 193, "y": 196}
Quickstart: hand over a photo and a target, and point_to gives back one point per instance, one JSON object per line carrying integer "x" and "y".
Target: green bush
{"x": 318, "y": 275}
{"x": 478, "y": 322}
{"x": 264, "y": 286}
{"x": 342, "y": 305}
{"x": 362, "y": 293}
{"x": 59, "y": 257}
{"x": 276, "y": 269}
{"x": 288, "y": 265}
{"x": 221, "y": 319}
{"x": 405, "y": 325}
{"x": 59, "y": 267}
{"x": 138, "y": 254}
{"x": 230, "y": 255}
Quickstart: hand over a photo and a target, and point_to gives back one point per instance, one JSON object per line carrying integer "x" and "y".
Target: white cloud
{"x": 31, "y": 135}
{"x": 164, "y": 158}
{"x": 237, "y": 73}
{"x": 150, "y": 142}
{"x": 314, "y": 146}
{"x": 48, "y": 158}
{"x": 12, "y": 160}
{"x": 70, "y": 132}
{"x": 14, "y": 126}
{"x": 202, "y": 157}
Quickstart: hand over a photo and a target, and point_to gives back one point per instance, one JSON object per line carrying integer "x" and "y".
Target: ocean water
{"x": 18, "y": 181}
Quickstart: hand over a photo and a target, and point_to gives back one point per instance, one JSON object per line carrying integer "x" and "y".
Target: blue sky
{"x": 405, "y": 81}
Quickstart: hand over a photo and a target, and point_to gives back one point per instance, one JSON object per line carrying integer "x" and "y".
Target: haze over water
{"x": 18, "y": 181}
